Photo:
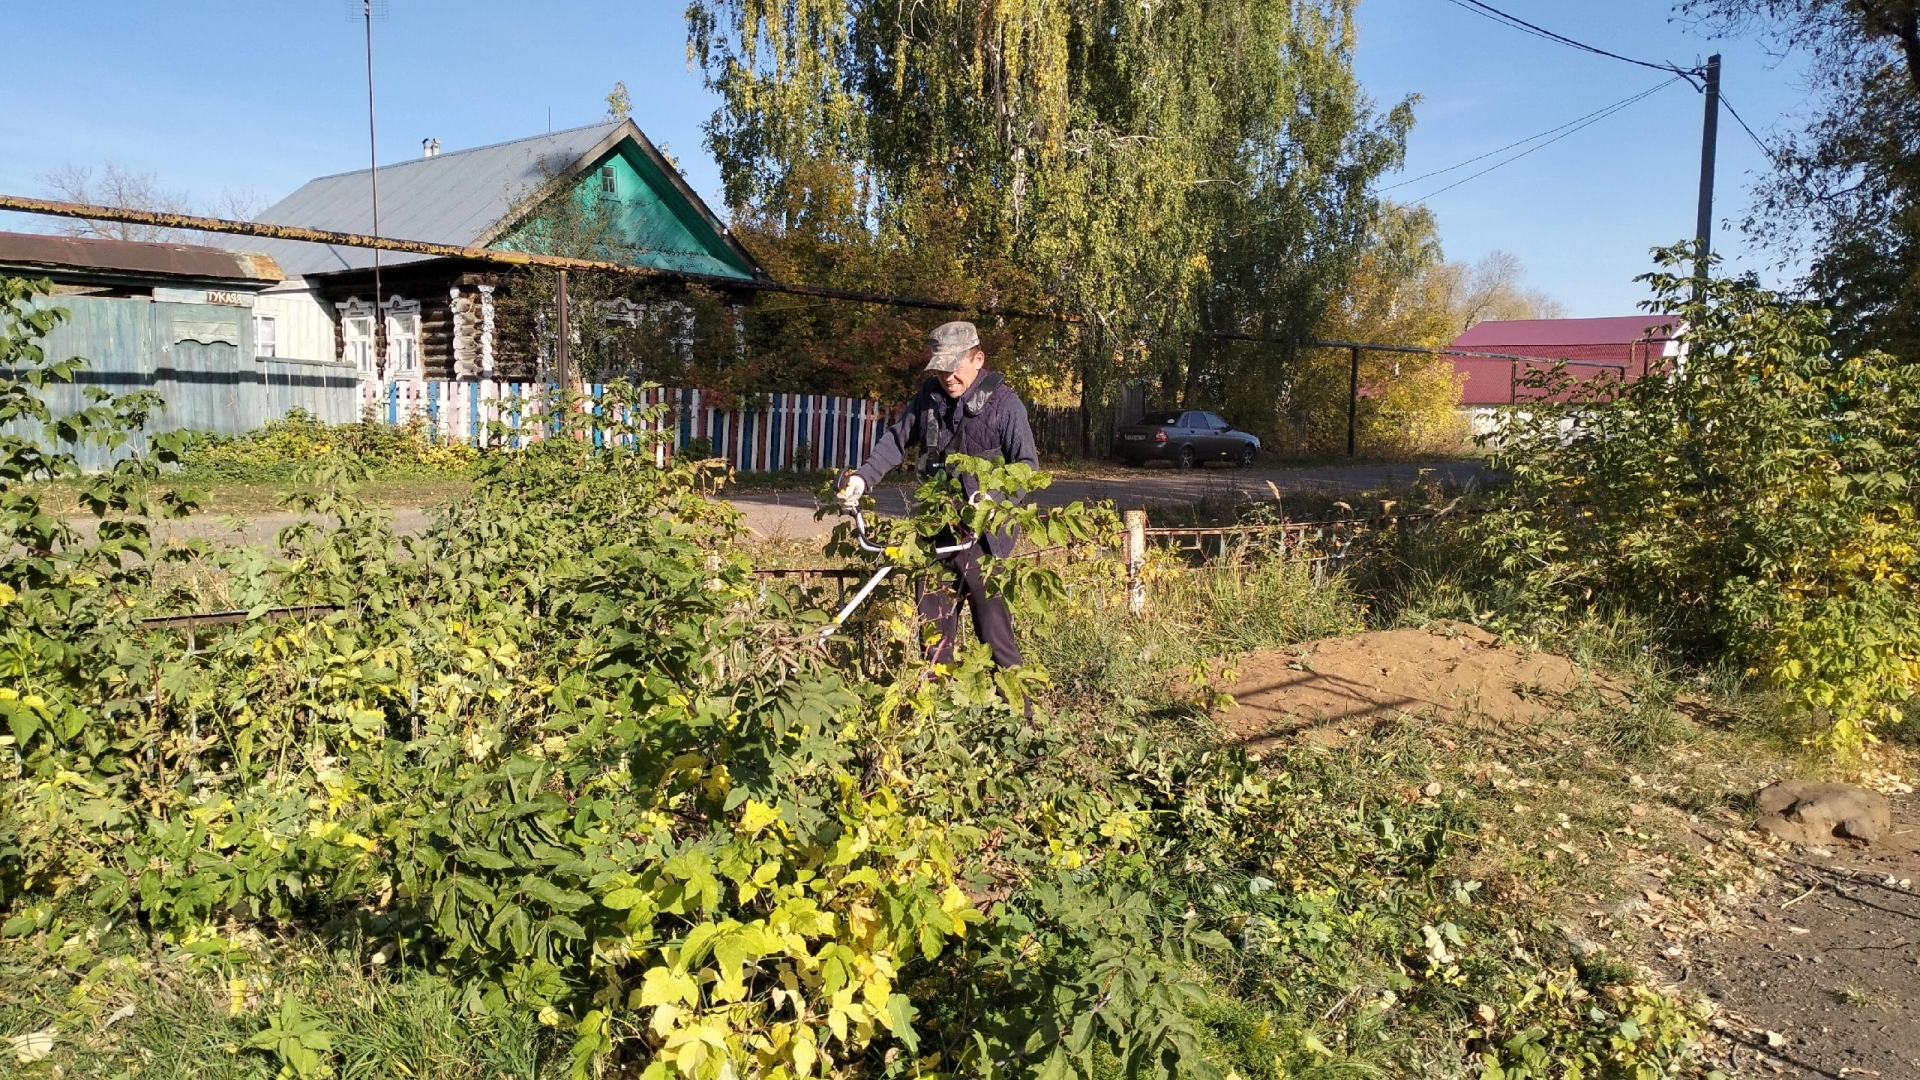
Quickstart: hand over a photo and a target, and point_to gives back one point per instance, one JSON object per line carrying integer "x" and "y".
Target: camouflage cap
{"x": 950, "y": 343}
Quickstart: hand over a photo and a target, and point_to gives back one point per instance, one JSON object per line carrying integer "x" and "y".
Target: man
{"x": 960, "y": 409}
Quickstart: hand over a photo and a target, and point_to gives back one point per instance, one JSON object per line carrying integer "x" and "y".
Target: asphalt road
{"x": 789, "y": 514}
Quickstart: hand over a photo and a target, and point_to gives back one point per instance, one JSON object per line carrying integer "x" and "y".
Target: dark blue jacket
{"x": 996, "y": 428}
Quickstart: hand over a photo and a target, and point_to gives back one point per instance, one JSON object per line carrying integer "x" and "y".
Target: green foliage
{"x": 1845, "y": 187}
{"x": 288, "y": 447}
{"x": 561, "y": 761}
{"x": 1154, "y": 170}
{"x": 1757, "y": 501}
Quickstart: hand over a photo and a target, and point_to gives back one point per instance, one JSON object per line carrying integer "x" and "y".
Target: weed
{"x": 281, "y": 450}
{"x": 1862, "y": 998}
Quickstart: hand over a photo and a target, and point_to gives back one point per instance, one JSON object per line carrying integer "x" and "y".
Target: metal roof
{"x": 464, "y": 197}
{"x": 76, "y": 258}
{"x": 1519, "y": 335}
{"x": 1635, "y": 343}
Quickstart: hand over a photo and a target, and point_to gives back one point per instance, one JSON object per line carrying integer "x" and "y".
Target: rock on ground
{"x": 1805, "y": 812}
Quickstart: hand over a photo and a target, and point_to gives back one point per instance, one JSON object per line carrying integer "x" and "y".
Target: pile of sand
{"x": 1327, "y": 690}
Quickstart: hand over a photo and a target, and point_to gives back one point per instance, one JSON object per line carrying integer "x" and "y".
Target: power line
{"x": 1487, "y": 11}
{"x": 1757, "y": 140}
{"x": 1600, "y": 113}
{"x": 1592, "y": 119}
{"x": 504, "y": 256}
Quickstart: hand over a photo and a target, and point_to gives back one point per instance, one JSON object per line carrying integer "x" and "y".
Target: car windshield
{"x": 1165, "y": 419}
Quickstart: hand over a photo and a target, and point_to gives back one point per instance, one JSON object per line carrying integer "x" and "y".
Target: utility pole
{"x": 1709, "y": 136}
{"x": 561, "y": 373}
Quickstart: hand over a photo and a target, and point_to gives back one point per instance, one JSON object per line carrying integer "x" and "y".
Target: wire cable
{"x": 1488, "y": 11}
{"x": 1596, "y": 114}
{"x": 1592, "y": 119}
{"x": 1772, "y": 156}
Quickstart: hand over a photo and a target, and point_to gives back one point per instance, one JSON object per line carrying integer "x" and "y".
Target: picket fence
{"x": 761, "y": 433}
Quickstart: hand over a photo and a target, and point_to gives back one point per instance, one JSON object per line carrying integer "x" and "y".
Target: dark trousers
{"x": 991, "y": 622}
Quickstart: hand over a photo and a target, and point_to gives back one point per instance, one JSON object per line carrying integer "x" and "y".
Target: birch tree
{"x": 1155, "y": 171}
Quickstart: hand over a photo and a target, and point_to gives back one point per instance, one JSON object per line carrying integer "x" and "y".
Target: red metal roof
{"x": 1628, "y": 344}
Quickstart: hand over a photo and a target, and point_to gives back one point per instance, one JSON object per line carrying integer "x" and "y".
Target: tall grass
{"x": 174, "y": 1015}
{"x": 1101, "y": 656}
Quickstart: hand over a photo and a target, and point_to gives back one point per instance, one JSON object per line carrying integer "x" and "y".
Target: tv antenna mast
{"x": 368, "y": 12}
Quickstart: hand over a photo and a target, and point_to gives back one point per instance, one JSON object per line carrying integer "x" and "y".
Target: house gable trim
{"x": 602, "y": 151}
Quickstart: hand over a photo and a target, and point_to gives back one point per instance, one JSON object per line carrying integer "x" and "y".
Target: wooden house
{"x": 433, "y": 318}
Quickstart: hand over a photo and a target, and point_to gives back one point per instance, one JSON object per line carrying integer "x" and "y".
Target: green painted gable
{"x": 645, "y": 221}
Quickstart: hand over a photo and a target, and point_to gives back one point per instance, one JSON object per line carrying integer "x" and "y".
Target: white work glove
{"x": 849, "y": 496}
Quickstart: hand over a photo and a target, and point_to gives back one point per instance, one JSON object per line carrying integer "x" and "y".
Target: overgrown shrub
{"x": 1408, "y": 406}
{"x": 287, "y": 446}
{"x": 1757, "y": 500}
{"x": 562, "y": 755}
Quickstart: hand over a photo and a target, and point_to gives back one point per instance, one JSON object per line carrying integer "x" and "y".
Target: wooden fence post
{"x": 1136, "y": 521}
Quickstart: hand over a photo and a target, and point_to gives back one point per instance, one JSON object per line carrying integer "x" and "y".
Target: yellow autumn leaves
{"x": 813, "y": 976}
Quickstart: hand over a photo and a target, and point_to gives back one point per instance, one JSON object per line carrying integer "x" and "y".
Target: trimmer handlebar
{"x": 860, "y": 526}
{"x": 860, "y": 533}
{"x": 860, "y": 538}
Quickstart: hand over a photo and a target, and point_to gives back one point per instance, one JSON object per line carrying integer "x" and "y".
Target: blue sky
{"x": 217, "y": 94}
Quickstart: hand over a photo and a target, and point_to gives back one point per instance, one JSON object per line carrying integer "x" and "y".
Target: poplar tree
{"x": 1157, "y": 170}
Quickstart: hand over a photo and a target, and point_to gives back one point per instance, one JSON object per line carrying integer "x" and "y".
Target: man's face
{"x": 956, "y": 381}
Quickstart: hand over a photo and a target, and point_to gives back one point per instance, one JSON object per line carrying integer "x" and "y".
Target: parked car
{"x": 1185, "y": 437}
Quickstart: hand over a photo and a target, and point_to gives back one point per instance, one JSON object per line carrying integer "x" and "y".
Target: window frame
{"x": 271, "y": 340}
{"x": 404, "y": 359}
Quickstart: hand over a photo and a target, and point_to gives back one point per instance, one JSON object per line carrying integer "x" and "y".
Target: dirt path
{"x": 1820, "y": 977}
{"x": 1816, "y": 973}
{"x": 1133, "y": 489}
{"x": 789, "y": 514}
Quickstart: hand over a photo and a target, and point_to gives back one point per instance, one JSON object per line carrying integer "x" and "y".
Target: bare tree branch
{"x": 116, "y": 186}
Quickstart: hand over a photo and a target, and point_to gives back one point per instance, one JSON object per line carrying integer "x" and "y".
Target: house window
{"x": 403, "y": 338}
{"x": 265, "y": 335}
{"x": 356, "y": 337}
{"x": 606, "y": 180}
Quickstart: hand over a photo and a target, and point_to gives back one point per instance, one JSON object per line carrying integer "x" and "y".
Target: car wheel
{"x": 1185, "y": 460}
{"x": 1245, "y": 458}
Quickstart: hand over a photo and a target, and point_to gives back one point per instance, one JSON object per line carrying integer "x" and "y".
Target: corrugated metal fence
{"x": 197, "y": 357}
{"x": 762, "y": 433}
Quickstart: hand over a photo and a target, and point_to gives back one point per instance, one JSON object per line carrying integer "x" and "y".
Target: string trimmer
{"x": 860, "y": 540}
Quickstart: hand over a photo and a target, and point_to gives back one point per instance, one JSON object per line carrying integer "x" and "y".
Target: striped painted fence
{"x": 763, "y": 433}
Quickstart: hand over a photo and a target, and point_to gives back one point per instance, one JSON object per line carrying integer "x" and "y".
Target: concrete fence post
{"x": 1136, "y": 522}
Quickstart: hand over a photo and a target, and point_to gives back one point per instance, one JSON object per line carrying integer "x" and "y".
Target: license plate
{"x": 1136, "y": 438}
